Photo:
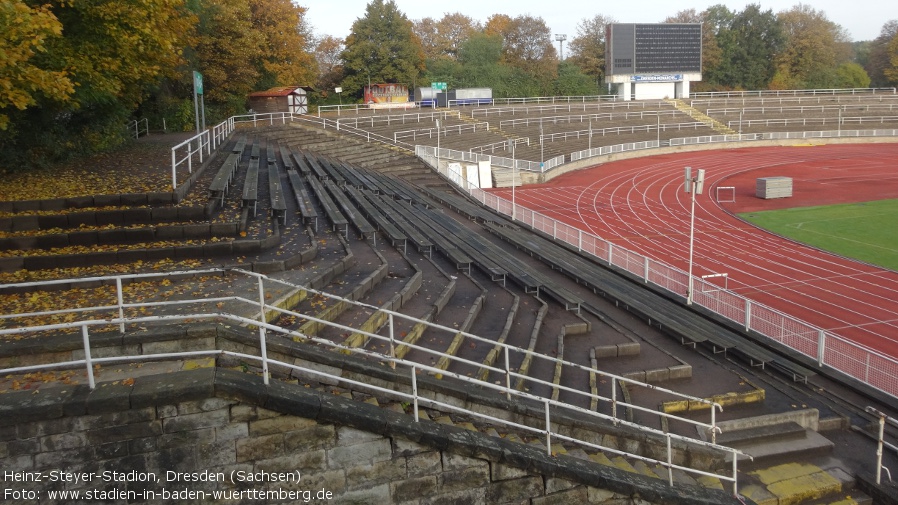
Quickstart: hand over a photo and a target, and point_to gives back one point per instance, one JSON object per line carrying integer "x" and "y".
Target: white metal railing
{"x": 618, "y": 130}
{"x": 812, "y": 121}
{"x": 443, "y": 130}
{"x": 792, "y": 92}
{"x": 746, "y": 137}
{"x": 359, "y": 108}
{"x": 801, "y": 109}
{"x": 391, "y": 119}
{"x": 183, "y": 154}
{"x": 584, "y": 118}
{"x": 796, "y": 100}
{"x": 136, "y": 127}
{"x": 469, "y": 157}
{"x": 501, "y": 146}
{"x": 128, "y": 314}
{"x": 617, "y": 148}
{"x": 570, "y": 107}
{"x": 557, "y": 99}
{"x": 826, "y": 348}
{"x": 221, "y": 132}
{"x": 203, "y": 142}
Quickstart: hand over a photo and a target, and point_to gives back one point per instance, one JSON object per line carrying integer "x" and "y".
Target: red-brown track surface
{"x": 640, "y": 204}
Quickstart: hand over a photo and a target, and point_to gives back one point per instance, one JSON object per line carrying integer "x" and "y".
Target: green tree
{"x": 852, "y": 75}
{"x": 879, "y": 59}
{"x": 891, "y": 71}
{"x": 750, "y": 46}
{"x": 572, "y": 81}
{"x": 711, "y": 52}
{"x": 381, "y": 47}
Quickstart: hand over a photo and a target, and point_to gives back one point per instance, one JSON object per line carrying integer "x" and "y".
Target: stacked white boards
{"x": 773, "y": 187}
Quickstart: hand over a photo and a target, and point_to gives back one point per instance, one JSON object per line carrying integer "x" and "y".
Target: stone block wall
{"x": 189, "y": 435}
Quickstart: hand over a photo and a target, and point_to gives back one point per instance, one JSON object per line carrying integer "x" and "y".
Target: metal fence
{"x": 792, "y": 92}
{"x": 826, "y": 348}
{"x": 126, "y": 314}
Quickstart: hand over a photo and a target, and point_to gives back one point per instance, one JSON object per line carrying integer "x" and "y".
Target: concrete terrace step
{"x": 793, "y": 483}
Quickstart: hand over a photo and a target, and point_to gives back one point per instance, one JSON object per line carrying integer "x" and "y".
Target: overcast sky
{"x": 863, "y": 20}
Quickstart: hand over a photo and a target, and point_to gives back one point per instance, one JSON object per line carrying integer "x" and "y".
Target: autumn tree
{"x": 330, "y": 66}
{"x": 226, "y": 47}
{"x": 813, "y": 49}
{"x": 287, "y": 45}
{"x": 527, "y": 45}
{"x": 22, "y": 80}
{"x": 381, "y": 47}
{"x": 587, "y": 48}
{"x": 453, "y": 30}
{"x": 426, "y": 31}
{"x": 107, "y": 57}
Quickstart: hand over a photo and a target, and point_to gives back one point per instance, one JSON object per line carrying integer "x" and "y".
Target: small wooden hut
{"x": 292, "y": 99}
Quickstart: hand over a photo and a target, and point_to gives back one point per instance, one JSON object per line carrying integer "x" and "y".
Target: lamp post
{"x": 693, "y": 186}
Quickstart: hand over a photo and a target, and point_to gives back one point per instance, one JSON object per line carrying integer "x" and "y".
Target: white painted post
{"x": 121, "y": 302}
{"x": 415, "y": 390}
{"x": 392, "y": 343}
{"x": 174, "y": 174}
{"x": 507, "y": 376}
{"x": 548, "y": 430}
{"x": 264, "y": 352}
{"x": 87, "y": 361}
{"x": 821, "y": 347}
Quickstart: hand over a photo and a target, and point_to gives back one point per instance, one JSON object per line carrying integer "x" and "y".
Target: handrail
{"x": 260, "y": 307}
{"x": 135, "y": 125}
{"x": 88, "y": 362}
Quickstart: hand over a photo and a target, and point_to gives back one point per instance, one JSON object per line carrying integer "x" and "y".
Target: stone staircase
{"x": 800, "y": 472}
{"x": 700, "y": 116}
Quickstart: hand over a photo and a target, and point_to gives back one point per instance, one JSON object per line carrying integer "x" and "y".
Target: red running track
{"x": 640, "y": 204}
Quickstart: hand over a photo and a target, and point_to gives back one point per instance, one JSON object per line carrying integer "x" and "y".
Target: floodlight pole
{"x": 692, "y": 186}
{"x": 560, "y": 38}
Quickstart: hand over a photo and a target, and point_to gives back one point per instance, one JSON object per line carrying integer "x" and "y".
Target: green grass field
{"x": 865, "y": 231}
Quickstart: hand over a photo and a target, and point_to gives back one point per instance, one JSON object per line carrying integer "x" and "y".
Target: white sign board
{"x": 486, "y": 174}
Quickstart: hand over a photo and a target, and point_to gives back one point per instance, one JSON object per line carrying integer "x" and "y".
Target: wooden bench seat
{"x": 307, "y": 212}
{"x": 222, "y": 180}
{"x": 338, "y": 221}
{"x": 251, "y": 185}
{"x": 365, "y": 228}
